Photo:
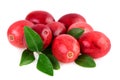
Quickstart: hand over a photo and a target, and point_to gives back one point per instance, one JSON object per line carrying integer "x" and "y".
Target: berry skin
{"x": 83, "y": 25}
{"x": 65, "y": 48}
{"x": 40, "y": 17}
{"x": 15, "y": 33}
{"x": 57, "y": 28}
{"x": 44, "y": 32}
{"x": 94, "y": 44}
{"x": 71, "y": 18}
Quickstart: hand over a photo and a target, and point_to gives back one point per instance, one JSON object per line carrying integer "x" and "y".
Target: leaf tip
{"x": 20, "y": 64}
{"x": 76, "y": 32}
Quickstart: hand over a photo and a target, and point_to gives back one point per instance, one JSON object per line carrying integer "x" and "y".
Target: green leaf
{"x": 33, "y": 40}
{"x": 75, "y": 32}
{"x": 27, "y": 57}
{"x": 47, "y": 50}
{"x": 44, "y": 64}
{"x": 53, "y": 60}
{"x": 85, "y": 61}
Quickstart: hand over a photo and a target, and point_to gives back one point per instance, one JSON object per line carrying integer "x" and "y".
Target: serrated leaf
{"x": 85, "y": 61}
{"x": 44, "y": 64}
{"x": 33, "y": 40}
{"x": 27, "y": 57}
{"x": 75, "y": 32}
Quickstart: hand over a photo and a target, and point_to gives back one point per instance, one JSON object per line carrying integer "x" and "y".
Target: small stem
{"x": 39, "y": 52}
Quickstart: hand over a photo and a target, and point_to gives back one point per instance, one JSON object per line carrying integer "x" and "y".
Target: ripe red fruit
{"x": 44, "y": 32}
{"x": 40, "y": 17}
{"x": 71, "y": 18}
{"x": 15, "y": 33}
{"x": 83, "y": 25}
{"x": 65, "y": 48}
{"x": 94, "y": 44}
{"x": 57, "y": 28}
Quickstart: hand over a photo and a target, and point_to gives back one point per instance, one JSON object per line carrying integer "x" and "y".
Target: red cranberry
{"x": 40, "y": 17}
{"x": 83, "y": 25}
{"x": 44, "y": 32}
{"x": 71, "y": 18}
{"x": 94, "y": 44}
{"x": 57, "y": 28}
{"x": 65, "y": 48}
{"x": 15, "y": 33}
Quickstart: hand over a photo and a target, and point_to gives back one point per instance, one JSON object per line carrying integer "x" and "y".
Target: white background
{"x": 103, "y": 15}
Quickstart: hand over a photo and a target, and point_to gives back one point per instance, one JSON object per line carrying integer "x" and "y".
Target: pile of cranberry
{"x": 54, "y": 33}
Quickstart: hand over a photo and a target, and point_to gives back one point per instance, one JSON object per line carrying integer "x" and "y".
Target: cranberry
{"x": 65, "y": 48}
{"x": 94, "y": 44}
{"x": 71, "y": 18}
{"x": 44, "y": 32}
{"x": 83, "y": 25}
{"x": 57, "y": 28}
{"x": 40, "y": 17}
{"x": 15, "y": 33}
